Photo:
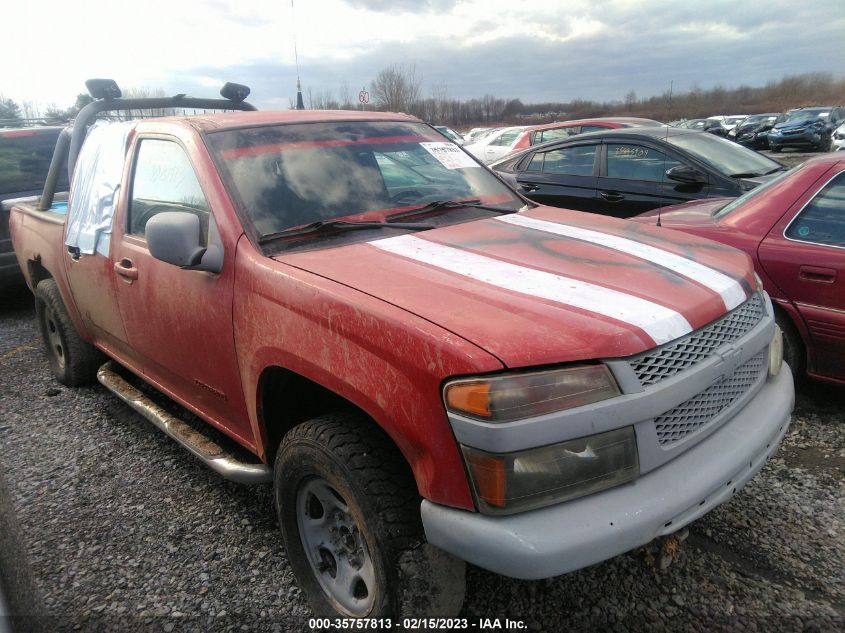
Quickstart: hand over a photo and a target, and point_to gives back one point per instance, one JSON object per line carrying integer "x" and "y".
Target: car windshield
{"x": 287, "y": 176}
{"x": 801, "y": 115}
{"x": 738, "y": 202}
{"x": 724, "y": 156}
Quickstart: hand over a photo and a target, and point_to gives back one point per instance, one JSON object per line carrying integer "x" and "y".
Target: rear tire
{"x": 350, "y": 516}
{"x": 73, "y": 361}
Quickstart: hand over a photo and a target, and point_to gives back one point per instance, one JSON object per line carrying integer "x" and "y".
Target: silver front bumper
{"x": 568, "y": 536}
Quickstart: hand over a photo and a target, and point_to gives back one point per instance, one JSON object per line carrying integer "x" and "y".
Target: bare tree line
{"x": 399, "y": 88}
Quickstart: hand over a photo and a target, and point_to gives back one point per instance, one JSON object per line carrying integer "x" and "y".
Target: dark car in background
{"x": 807, "y": 128}
{"x": 628, "y": 171}
{"x": 753, "y": 131}
{"x": 713, "y": 126}
{"x": 25, "y": 155}
{"x": 793, "y": 227}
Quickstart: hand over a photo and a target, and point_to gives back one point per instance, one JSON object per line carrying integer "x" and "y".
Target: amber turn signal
{"x": 469, "y": 397}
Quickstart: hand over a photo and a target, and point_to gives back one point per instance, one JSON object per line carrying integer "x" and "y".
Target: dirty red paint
{"x": 381, "y": 331}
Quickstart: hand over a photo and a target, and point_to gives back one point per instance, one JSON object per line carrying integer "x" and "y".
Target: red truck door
{"x": 91, "y": 281}
{"x": 805, "y": 254}
{"x": 178, "y": 322}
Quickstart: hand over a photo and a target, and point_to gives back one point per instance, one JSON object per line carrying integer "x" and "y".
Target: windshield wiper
{"x": 439, "y": 205}
{"x": 746, "y": 174}
{"x": 340, "y": 225}
{"x": 780, "y": 168}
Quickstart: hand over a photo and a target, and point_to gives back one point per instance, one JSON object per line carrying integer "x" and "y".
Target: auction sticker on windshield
{"x": 450, "y": 155}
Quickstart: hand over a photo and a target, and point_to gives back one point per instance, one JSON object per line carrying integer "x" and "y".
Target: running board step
{"x": 217, "y": 457}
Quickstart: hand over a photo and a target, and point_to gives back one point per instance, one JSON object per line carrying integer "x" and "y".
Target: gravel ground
{"x": 125, "y": 531}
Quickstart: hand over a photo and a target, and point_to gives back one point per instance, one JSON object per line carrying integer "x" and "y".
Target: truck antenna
{"x": 671, "y": 85}
{"x": 300, "y": 105}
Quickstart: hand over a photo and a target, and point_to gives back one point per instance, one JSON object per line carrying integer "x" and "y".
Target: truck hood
{"x": 547, "y": 285}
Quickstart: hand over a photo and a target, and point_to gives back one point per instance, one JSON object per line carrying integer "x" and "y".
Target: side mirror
{"x": 174, "y": 237}
{"x": 686, "y": 174}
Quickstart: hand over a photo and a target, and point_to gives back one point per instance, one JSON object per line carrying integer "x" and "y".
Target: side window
{"x": 573, "y": 161}
{"x": 507, "y": 138}
{"x": 636, "y": 162}
{"x": 536, "y": 163}
{"x": 556, "y": 133}
{"x": 592, "y": 128}
{"x": 164, "y": 180}
{"x": 822, "y": 221}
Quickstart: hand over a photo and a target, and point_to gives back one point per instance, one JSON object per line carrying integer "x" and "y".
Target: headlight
{"x": 515, "y": 396}
{"x": 515, "y": 482}
{"x": 776, "y": 352}
{"x": 759, "y": 283}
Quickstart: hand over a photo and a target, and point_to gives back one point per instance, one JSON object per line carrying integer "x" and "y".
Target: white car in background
{"x": 476, "y": 134}
{"x": 496, "y": 145}
{"x": 729, "y": 121}
{"x": 837, "y": 141}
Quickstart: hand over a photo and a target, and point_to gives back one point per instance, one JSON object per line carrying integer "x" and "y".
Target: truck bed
{"x": 38, "y": 234}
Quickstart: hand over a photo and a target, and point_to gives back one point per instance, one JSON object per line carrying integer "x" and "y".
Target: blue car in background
{"x": 807, "y": 128}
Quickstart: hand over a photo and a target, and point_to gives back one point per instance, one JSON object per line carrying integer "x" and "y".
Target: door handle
{"x": 817, "y": 274}
{"x": 529, "y": 188}
{"x": 124, "y": 268}
{"x": 611, "y": 196}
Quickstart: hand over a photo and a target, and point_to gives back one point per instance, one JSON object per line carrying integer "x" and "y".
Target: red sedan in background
{"x": 537, "y": 134}
{"x": 793, "y": 227}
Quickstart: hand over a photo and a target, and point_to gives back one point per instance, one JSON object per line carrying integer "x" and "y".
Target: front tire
{"x": 73, "y": 361}
{"x": 350, "y": 518}
{"x": 794, "y": 352}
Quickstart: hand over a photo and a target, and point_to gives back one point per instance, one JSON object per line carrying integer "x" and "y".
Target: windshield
{"x": 724, "y": 156}
{"x": 288, "y": 176}
{"x": 738, "y": 202}
{"x": 801, "y": 115}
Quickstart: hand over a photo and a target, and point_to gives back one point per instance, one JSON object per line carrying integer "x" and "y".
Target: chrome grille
{"x": 655, "y": 365}
{"x": 699, "y": 410}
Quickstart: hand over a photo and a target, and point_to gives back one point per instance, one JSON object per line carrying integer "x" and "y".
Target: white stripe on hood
{"x": 661, "y": 323}
{"x": 729, "y": 289}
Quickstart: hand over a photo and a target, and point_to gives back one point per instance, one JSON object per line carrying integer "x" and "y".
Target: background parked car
{"x": 625, "y": 172}
{"x": 729, "y": 121}
{"x": 714, "y": 126}
{"x": 807, "y": 128}
{"x": 753, "y": 132}
{"x": 476, "y": 134}
{"x": 839, "y": 138}
{"x": 793, "y": 227}
{"x": 25, "y": 155}
{"x": 537, "y": 134}
{"x": 493, "y": 146}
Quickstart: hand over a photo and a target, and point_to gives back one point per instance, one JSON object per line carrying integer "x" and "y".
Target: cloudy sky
{"x": 537, "y": 50}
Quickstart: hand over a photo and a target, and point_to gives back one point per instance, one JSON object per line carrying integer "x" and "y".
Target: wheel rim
{"x": 335, "y": 547}
{"x": 54, "y": 339}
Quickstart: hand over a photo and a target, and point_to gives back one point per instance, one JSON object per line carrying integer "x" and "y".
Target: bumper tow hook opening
{"x": 664, "y": 550}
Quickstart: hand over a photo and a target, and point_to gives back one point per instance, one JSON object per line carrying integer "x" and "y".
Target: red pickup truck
{"x": 429, "y": 368}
